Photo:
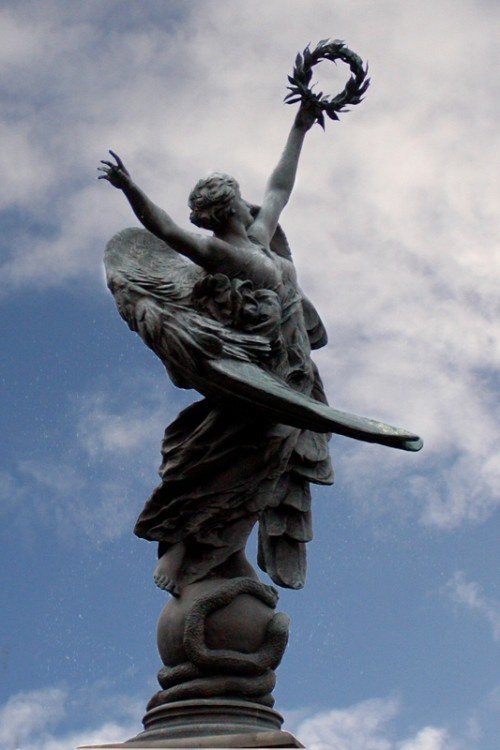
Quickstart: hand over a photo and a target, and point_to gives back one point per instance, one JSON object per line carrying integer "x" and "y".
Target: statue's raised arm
{"x": 282, "y": 180}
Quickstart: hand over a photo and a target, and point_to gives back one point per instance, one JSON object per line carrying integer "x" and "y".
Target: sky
{"x": 395, "y": 638}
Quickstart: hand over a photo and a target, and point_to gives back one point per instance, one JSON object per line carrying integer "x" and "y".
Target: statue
{"x": 225, "y": 314}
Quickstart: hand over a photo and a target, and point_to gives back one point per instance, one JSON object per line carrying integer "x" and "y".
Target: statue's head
{"x": 213, "y": 200}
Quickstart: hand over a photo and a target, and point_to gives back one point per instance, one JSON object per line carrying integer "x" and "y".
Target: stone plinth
{"x": 246, "y": 740}
{"x": 210, "y": 723}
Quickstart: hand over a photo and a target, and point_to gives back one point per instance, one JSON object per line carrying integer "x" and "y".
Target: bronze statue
{"x": 226, "y": 315}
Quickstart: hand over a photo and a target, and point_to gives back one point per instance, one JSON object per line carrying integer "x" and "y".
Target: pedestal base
{"x": 195, "y": 718}
{"x": 210, "y": 723}
{"x": 246, "y": 740}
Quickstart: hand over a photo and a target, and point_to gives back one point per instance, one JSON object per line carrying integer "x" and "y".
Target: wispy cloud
{"x": 361, "y": 726}
{"x": 429, "y": 738}
{"x": 30, "y": 713}
{"x": 471, "y": 596}
{"x": 32, "y": 721}
{"x": 108, "y": 426}
{"x": 368, "y": 726}
{"x": 103, "y": 469}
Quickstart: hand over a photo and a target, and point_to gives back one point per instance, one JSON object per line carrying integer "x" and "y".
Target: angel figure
{"x": 226, "y": 316}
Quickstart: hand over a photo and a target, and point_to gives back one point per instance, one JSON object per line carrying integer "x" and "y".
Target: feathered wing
{"x": 153, "y": 288}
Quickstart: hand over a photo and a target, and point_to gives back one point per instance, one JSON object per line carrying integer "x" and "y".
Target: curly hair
{"x": 211, "y": 200}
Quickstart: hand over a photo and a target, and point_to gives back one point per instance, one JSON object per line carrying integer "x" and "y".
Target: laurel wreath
{"x": 300, "y": 89}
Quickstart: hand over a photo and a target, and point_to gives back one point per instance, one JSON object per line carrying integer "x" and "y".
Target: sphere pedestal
{"x": 220, "y": 642}
{"x": 221, "y": 639}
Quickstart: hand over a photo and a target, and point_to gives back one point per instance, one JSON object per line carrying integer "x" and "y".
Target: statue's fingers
{"x": 108, "y": 163}
{"x": 103, "y": 177}
{"x": 103, "y": 169}
{"x": 118, "y": 160}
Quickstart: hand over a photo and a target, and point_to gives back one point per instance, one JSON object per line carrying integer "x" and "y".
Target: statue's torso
{"x": 268, "y": 271}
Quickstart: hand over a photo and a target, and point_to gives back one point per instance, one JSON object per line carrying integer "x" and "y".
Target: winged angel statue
{"x": 226, "y": 316}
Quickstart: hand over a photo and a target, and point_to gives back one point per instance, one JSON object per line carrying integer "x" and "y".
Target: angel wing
{"x": 153, "y": 288}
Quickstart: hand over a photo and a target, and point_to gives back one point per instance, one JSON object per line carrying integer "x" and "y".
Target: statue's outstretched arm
{"x": 199, "y": 249}
{"x": 282, "y": 180}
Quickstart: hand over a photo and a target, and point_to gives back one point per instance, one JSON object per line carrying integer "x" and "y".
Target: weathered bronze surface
{"x": 225, "y": 314}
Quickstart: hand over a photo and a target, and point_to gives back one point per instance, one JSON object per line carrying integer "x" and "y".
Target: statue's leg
{"x": 236, "y": 566}
{"x": 191, "y": 560}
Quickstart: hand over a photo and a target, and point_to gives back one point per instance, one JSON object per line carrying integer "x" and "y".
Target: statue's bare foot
{"x": 166, "y": 574}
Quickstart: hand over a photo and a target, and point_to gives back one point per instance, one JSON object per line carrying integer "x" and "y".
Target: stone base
{"x": 210, "y": 723}
{"x": 245, "y": 740}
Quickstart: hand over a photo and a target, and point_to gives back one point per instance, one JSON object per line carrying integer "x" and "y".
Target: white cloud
{"x": 368, "y": 726}
{"x": 359, "y": 727}
{"x": 108, "y": 732}
{"x": 29, "y": 713}
{"x": 429, "y": 738}
{"x": 28, "y": 721}
{"x": 470, "y": 594}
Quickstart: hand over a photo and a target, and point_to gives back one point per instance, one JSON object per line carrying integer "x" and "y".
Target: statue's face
{"x": 202, "y": 218}
{"x": 242, "y": 212}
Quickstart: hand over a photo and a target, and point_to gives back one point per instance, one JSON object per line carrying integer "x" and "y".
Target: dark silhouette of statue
{"x": 225, "y": 314}
{"x": 228, "y": 462}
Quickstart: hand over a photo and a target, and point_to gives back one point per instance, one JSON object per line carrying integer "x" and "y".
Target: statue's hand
{"x": 117, "y": 174}
{"x": 306, "y": 116}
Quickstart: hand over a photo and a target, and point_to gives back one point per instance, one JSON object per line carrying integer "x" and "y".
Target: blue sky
{"x": 393, "y": 226}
